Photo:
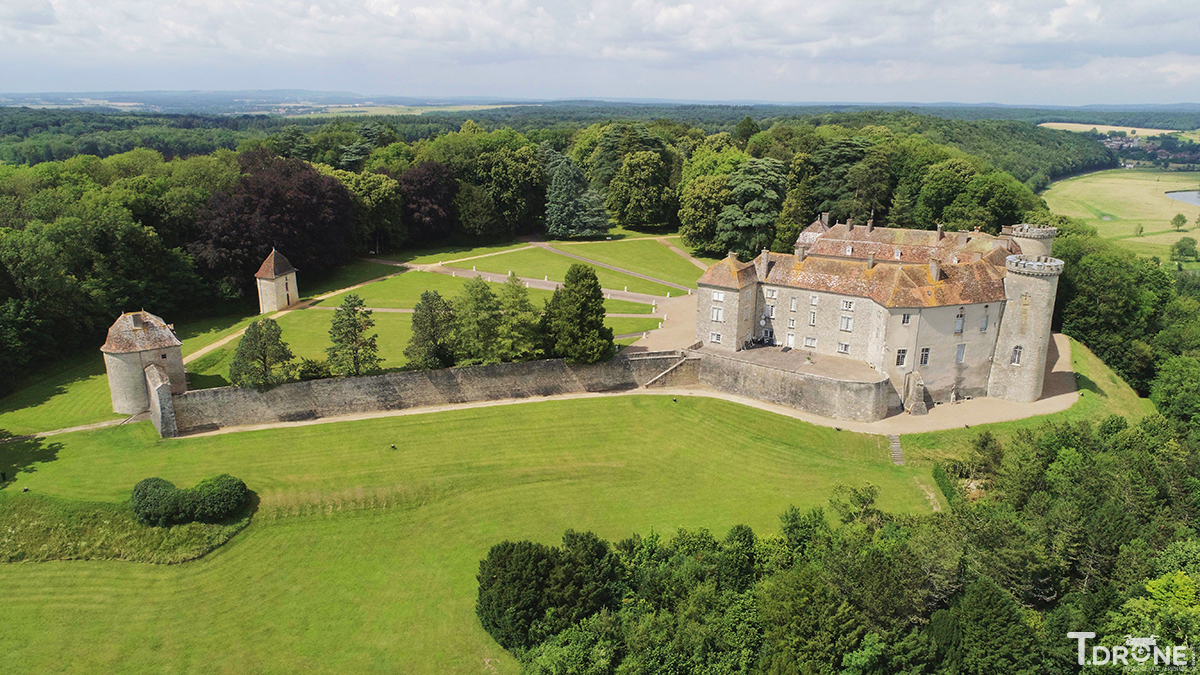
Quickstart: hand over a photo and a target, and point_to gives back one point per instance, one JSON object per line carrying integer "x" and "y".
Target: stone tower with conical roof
{"x": 276, "y": 281}
{"x": 139, "y": 342}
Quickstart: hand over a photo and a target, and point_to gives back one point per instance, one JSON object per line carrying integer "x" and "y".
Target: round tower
{"x": 137, "y": 340}
{"x": 1023, "y": 342}
{"x": 1034, "y": 240}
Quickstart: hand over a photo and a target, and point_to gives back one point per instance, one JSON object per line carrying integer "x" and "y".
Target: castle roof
{"x": 891, "y": 266}
{"x": 138, "y": 332}
{"x": 274, "y": 266}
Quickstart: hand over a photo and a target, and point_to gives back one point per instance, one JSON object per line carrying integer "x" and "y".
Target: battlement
{"x": 1034, "y": 265}
{"x": 1027, "y": 231}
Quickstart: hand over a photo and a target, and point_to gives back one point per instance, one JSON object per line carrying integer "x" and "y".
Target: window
{"x": 960, "y": 352}
{"x": 897, "y": 254}
{"x": 958, "y": 323}
{"x": 843, "y": 348}
{"x": 714, "y": 338}
{"x": 1016, "y": 357}
{"x": 904, "y": 319}
{"x": 812, "y": 300}
{"x": 772, "y": 293}
{"x": 847, "y": 305}
{"x": 810, "y": 342}
{"x": 771, "y": 311}
{"x": 718, "y": 314}
{"x": 791, "y": 323}
{"x": 849, "y": 250}
{"x": 983, "y": 322}
{"x": 795, "y": 303}
{"x": 812, "y": 318}
{"x": 746, "y": 313}
{"x": 718, "y": 296}
{"x": 846, "y": 323}
{"x": 901, "y": 357}
{"x": 924, "y": 356}
{"x": 164, "y": 356}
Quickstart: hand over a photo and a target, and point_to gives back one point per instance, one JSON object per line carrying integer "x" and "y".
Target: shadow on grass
{"x": 53, "y": 380}
{"x": 19, "y": 455}
{"x": 196, "y": 381}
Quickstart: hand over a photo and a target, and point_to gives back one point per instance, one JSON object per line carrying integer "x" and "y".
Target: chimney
{"x": 801, "y": 252}
{"x": 732, "y": 255}
{"x": 760, "y": 264}
{"x": 871, "y": 225}
{"x": 962, "y": 237}
{"x": 1006, "y": 229}
{"x": 137, "y": 320}
{"x": 825, "y": 219}
{"x": 940, "y": 233}
{"x": 935, "y": 268}
{"x": 870, "y": 261}
{"x": 849, "y": 224}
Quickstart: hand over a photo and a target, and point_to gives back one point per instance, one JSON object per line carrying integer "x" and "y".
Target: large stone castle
{"x": 941, "y": 315}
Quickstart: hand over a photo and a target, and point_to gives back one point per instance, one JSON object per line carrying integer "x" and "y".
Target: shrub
{"x": 158, "y": 503}
{"x": 312, "y": 369}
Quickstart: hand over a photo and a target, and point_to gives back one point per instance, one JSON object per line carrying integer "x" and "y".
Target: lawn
{"x": 627, "y": 326}
{"x": 1101, "y": 393}
{"x": 644, "y": 256}
{"x": 678, "y": 241}
{"x": 403, "y": 292}
{"x": 347, "y": 275}
{"x": 450, "y": 253}
{"x": 363, "y": 559}
{"x": 539, "y": 263}
{"x": 1115, "y": 202}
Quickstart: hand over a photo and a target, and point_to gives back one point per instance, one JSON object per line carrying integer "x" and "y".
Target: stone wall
{"x": 162, "y": 409}
{"x": 862, "y": 401}
{"x": 232, "y": 406}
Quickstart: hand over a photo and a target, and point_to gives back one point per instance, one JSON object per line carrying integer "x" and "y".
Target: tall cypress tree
{"x": 574, "y": 320}
{"x": 262, "y": 358}
{"x": 517, "y": 334}
{"x": 572, "y": 208}
{"x": 476, "y": 320}
{"x": 353, "y": 351}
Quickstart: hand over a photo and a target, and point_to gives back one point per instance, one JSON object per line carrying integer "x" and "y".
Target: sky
{"x": 1049, "y": 52}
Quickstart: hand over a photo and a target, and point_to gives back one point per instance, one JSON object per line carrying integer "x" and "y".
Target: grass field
{"x": 363, "y": 559}
{"x": 352, "y": 110}
{"x": 448, "y": 254}
{"x": 538, "y": 263}
{"x": 347, "y": 275}
{"x": 678, "y": 241}
{"x": 644, "y": 256}
{"x": 1105, "y": 128}
{"x": 1116, "y": 202}
{"x": 624, "y": 326}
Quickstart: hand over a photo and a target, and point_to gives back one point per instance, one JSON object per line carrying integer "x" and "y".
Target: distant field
{"x": 343, "y": 518}
{"x": 1115, "y": 202}
{"x": 342, "y": 110}
{"x": 1105, "y": 128}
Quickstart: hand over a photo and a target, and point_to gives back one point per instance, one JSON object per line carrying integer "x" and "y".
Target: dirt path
{"x": 687, "y": 256}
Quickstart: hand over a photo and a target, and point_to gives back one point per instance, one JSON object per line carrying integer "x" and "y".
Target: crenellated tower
{"x": 1019, "y": 362}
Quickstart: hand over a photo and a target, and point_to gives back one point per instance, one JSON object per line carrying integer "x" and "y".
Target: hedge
{"x": 158, "y": 503}
{"x": 949, "y": 487}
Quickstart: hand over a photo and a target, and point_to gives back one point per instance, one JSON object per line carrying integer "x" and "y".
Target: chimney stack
{"x": 732, "y": 255}
{"x": 871, "y": 225}
{"x": 870, "y": 261}
{"x": 935, "y": 268}
{"x": 940, "y": 233}
{"x": 962, "y": 237}
{"x": 801, "y": 252}
{"x": 850, "y": 224}
{"x": 825, "y": 219}
{"x": 760, "y": 264}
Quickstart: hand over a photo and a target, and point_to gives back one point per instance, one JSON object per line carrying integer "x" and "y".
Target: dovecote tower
{"x": 138, "y": 342}
{"x": 276, "y": 281}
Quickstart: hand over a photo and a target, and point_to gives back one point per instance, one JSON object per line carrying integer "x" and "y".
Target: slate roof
{"x": 274, "y": 266}
{"x": 152, "y": 333}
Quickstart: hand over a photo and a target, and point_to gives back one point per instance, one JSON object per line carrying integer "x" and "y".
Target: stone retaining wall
{"x": 207, "y": 409}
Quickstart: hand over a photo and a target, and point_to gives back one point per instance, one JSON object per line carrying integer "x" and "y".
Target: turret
{"x": 1023, "y": 343}
{"x": 1034, "y": 240}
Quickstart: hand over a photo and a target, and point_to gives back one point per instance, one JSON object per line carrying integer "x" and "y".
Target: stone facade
{"x": 162, "y": 409}
{"x": 949, "y": 307}
{"x": 276, "y": 281}
{"x": 136, "y": 341}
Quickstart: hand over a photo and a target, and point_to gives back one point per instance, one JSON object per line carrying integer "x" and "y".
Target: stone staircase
{"x": 897, "y": 453}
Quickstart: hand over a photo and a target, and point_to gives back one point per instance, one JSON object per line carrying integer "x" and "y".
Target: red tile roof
{"x": 274, "y": 266}
{"x": 729, "y": 273}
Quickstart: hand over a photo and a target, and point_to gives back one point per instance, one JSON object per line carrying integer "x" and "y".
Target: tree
{"x": 432, "y": 343}
{"x": 756, "y": 193}
{"x": 989, "y": 632}
{"x": 476, "y": 212}
{"x": 1184, "y": 249}
{"x": 517, "y": 337}
{"x": 1179, "y": 221}
{"x": 700, "y": 209}
{"x": 639, "y": 194}
{"x": 353, "y": 352}
{"x": 476, "y": 321}
{"x": 428, "y": 190}
{"x": 943, "y": 183}
{"x": 512, "y": 591}
{"x": 744, "y": 130}
{"x": 1176, "y": 390}
{"x": 1138, "y": 230}
{"x": 277, "y": 202}
{"x": 377, "y": 210}
{"x": 572, "y": 207}
{"x": 262, "y": 358}
{"x": 574, "y": 319}
{"x": 516, "y": 184}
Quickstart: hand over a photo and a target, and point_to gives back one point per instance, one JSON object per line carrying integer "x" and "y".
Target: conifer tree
{"x": 517, "y": 334}
{"x": 432, "y": 343}
{"x": 572, "y": 208}
{"x": 262, "y": 358}
{"x": 353, "y": 352}
{"x": 574, "y": 319}
{"x": 476, "y": 320}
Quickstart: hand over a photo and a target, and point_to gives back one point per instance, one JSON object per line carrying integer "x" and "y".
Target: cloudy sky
{"x": 1070, "y": 52}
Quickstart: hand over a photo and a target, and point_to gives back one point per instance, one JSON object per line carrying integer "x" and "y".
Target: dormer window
{"x": 954, "y": 260}
{"x": 958, "y": 322}
{"x": 897, "y": 254}
{"x": 849, "y": 250}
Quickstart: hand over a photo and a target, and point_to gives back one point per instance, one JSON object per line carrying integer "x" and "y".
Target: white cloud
{"x": 1049, "y": 51}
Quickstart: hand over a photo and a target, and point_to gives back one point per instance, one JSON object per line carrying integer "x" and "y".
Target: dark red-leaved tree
{"x": 278, "y": 202}
{"x": 428, "y": 189}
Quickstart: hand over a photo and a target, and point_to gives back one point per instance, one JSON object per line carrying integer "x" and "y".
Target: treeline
{"x": 1068, "y": 528}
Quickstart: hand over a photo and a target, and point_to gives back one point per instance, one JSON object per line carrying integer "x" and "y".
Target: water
{"x": 1186, "y": 196}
